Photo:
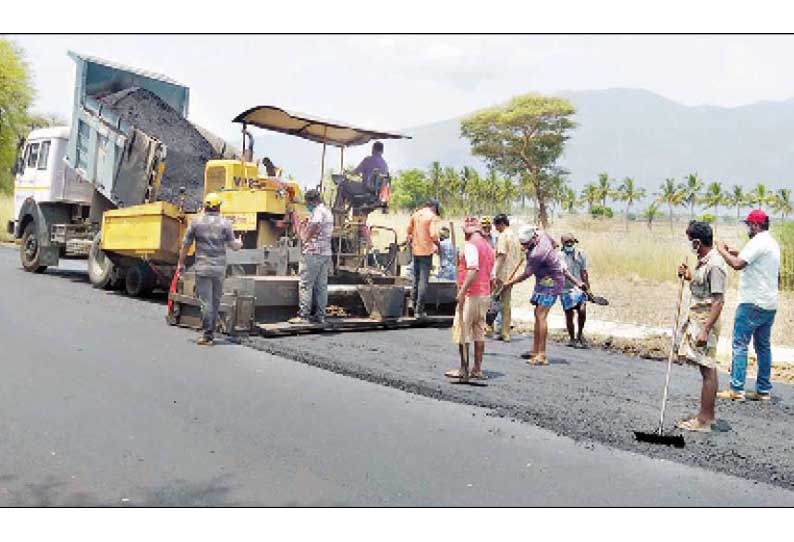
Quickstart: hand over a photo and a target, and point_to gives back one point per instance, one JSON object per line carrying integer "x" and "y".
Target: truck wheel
{"x": 101, "y": 271}
{"x": 139, "y": 280}
{"x": 29, "y": 252}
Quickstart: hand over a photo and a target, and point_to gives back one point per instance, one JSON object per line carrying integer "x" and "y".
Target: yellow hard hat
{"x": 485, "y": 221}
{"x": 212, "y": 200}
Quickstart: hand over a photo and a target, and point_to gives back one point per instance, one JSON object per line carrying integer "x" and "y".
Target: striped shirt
{"x": 212, "y": 234}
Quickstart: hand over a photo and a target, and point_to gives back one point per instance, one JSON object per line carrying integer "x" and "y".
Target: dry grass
{"x": 6, "y": 213}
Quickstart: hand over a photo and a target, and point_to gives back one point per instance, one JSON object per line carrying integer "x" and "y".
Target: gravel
{"x": 187, "y": 149}
{"x": 587, "y": 395}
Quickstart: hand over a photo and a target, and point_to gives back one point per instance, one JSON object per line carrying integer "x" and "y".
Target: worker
{"x": 424, "y": 241}
{"x": 545, "y": 264}
{"x": 759, "y": 263}
{"x": 487, "y": 232}
{"x": 371, "y": 163}
{"x": 447, "y": 254}
{"x": 508, "y": 258}
{"x": 574, "y": 300}
{"x": 212, "y": 234}
{"x": 315, "y": 235}
{"x": 474, "y": 297}
{"x": 701, "y": 329}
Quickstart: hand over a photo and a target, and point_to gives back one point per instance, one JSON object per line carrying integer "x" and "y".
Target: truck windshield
{"x": 33, "y": 155}
{"x": 44, "y": 153}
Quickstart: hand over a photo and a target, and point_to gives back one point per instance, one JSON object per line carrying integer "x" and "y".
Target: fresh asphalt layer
{"x": 102, "y": 403}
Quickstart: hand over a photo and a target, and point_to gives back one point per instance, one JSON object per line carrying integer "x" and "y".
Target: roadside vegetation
{"x": 6, "y": 211}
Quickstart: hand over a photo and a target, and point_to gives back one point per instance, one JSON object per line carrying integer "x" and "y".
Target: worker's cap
{"x": 212, "y": 200}
{"x": 312, "y": 195}
{"x": 756, "y": 216}
{"x": 471, "y": 224}
{"x": 485, "y": 221}
{"x": 526, "y": 233}
{"x": 568, "y": 238}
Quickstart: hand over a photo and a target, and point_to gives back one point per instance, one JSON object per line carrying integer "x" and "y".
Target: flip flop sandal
{"x": 528, "y": 355}
{"x": 478, "y": 376}
{"x": 452, "y": 373}
{"x": 693, "y": 425}
{"x": 538, "y": 360}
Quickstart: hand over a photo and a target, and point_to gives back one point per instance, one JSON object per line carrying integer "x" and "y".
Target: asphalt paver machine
{"x": 366, "y": 289}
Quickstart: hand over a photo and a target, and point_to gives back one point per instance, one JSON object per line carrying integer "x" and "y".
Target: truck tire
{"x": 102, "y": 272}
{"x": 29, "y": 250}
{"x": 139, "y": 280}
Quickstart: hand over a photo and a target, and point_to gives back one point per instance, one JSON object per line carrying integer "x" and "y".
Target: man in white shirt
{"x": 759, "y": 263}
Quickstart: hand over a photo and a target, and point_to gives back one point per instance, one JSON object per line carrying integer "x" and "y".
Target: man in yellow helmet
{"x": 212, "y": 234}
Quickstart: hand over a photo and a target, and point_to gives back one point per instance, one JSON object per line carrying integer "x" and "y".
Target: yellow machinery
{"x": 141, "y": 243}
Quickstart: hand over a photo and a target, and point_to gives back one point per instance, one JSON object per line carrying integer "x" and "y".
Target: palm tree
{"x": 435, "y": 173}
{"x": 629, "y": 192}
{"x": 759, "y": 196}
{"x": 604, "y": 188}
{"x": 568, "y": 199}
{"x": 590, "y": 195}
{"x": 692, "y": 187}
{"x": 737, "y": 198}
{"x": 651, "y": 213}
{"x": 781, "y": 202}
{"x": 713, "y": 198}
{"x": 671, "y": 195}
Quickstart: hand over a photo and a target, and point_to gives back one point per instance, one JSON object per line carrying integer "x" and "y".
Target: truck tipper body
{"x": 67, "y": 177}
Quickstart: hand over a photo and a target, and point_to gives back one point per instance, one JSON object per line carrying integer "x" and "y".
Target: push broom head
{"x": 656, "y": 438}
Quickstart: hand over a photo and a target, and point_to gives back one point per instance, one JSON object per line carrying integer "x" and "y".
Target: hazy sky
{"x": 393, "y": 82}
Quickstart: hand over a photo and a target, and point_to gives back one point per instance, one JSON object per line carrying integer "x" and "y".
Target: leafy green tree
{"x": 738, "y": 199}
{"x": 523, "y": 138}
{"x": 410, "y": 189}
{"x": 435, "y": 174}
{"x": 16, "y": 95}
{"x": 629, "y": 192}
{"x": 692, "y": 188}
{"x": 781, "y": 203}
{"x": 671, "y": 195}
{"x": 760, "y": 196}
{"x": 651, "y": 213}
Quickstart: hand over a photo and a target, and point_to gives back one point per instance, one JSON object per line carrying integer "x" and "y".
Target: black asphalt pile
{"x": 187, "y": 150}
{"x": 587, "y": 395}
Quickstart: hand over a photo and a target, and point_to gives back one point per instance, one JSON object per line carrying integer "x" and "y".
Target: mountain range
{"x": 624, "y": 132}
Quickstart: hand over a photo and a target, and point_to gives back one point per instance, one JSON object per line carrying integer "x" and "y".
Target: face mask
{"x": 311, "y": 208}
{"x": 567, "y": 249}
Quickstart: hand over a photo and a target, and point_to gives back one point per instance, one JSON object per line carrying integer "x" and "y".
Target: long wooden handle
{"x": 672, "y": 353}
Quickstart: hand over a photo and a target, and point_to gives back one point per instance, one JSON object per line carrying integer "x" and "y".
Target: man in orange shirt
{"x": 423, "y": 237}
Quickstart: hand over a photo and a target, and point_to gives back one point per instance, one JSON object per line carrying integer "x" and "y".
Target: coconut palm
{"x": 651, "y": 213}
{"x": 671, "y": 195}
{"x": 713, "y": 198}
{"x": 590, "y": 195}
{"x": 604, "y": 187}
{"x": 568, "y": 199}
{"x": 781, "y": 203}
{"x": 737, "y": 198}
{"x": 692, "y": 188}
{"x": 759, "y": 196}
{"x": 629, "y": 192}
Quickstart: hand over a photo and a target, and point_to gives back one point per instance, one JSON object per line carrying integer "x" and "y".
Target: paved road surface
{"x": 102, "y": 403}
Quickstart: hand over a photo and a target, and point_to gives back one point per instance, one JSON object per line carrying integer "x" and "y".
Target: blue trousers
{"x": 752, "y": 322}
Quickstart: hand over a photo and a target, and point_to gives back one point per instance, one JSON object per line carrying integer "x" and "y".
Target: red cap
{"x": 756, "y": 216}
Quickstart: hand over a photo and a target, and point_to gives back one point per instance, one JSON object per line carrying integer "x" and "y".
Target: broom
{"x": 658, "y": 436}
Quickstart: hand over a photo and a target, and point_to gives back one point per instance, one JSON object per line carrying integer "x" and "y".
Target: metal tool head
{"x": 676, "y": 441}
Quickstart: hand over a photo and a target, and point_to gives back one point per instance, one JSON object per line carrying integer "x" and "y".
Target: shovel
{"x": 658, "y": 436}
